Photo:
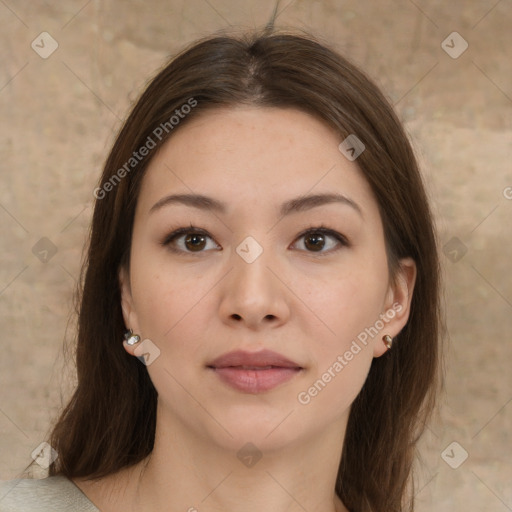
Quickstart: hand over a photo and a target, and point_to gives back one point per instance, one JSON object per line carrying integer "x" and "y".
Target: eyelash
{"x": 166, "y": 242}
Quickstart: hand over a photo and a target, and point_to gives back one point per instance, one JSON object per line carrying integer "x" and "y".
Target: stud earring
{"x": 131, "y": 338}
{"x": 388, "y": 340}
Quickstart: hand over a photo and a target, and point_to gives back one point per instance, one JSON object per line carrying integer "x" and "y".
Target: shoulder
{"x": 51, "y": 494}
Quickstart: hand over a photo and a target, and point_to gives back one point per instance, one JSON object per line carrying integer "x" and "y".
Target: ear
{"x": 397, "y": 306}
{"x": 127, "y": 305}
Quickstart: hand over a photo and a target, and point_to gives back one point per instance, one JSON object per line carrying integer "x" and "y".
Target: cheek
{"x": 344, "y": 303}
{"x": 349, "y": 304}
{"x": 171, "y": 304}
{"x": 332, "y": 390}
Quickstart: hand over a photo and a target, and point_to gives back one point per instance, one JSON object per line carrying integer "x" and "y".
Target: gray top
{"x": 51, "y": 494}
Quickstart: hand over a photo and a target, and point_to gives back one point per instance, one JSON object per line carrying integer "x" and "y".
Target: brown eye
{"x": 189, "y": 240}
{"x": 322, "y": 240}
{"x": 195, "y": 242}
{"x": 314, "y": 241}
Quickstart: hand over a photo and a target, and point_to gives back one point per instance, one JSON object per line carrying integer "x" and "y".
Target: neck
{"x": 187, "y": 471}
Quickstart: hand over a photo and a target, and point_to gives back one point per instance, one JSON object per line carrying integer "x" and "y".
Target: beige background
{"x": 59, "y": 116}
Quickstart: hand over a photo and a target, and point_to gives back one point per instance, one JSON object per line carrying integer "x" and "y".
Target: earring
{"x": 131, "y": 338}
{"x": 388, "y": 340}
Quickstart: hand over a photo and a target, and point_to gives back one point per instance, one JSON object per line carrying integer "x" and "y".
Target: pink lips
{"x": 254, "y": 372}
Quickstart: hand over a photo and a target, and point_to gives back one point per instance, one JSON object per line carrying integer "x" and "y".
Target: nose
{"x": 253, "y": 294}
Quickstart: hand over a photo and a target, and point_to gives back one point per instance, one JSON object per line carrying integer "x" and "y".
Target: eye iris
{"x": 197, "y": 241}
{"x": 317, "y": 241}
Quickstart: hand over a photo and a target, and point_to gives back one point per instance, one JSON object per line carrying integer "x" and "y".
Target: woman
{"x": 259, "y": 318}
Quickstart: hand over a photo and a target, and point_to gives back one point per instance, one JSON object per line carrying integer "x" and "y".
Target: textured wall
{"x": 59, "y": 116}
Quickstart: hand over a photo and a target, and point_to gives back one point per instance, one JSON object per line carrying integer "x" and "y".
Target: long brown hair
{"x": 109, "y": 423}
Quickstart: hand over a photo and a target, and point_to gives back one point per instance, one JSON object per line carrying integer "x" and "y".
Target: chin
{"x": 268, "y": 428}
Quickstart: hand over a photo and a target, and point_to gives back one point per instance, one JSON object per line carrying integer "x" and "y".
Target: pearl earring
{"x": 131, "y": 338}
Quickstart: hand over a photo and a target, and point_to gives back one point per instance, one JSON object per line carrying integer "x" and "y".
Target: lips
{"x": 254, "y": 372}
{"x": 257, "y": 360}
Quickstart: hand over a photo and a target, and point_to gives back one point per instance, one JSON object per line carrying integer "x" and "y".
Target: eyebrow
{"x": 298, "y": 204}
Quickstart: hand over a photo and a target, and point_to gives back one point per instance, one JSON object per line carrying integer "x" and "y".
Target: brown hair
{"x": 110, "y": 420}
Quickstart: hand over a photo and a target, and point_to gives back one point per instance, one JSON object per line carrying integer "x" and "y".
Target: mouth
{"x": 254, "y": 372}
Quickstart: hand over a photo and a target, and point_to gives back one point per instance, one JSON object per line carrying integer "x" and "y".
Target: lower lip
{"x": 255, "y": 381}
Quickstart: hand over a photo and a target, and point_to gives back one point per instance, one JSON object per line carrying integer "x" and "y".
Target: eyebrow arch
{"x": 298, "y": 204}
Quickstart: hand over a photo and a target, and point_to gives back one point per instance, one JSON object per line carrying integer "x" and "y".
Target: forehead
{"x": 253, "y": 155}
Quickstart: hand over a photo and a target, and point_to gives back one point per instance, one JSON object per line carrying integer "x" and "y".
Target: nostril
{"x": 236, "y": 316}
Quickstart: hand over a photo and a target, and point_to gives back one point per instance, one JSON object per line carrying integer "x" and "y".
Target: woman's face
{"x": 249, "y": 278}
